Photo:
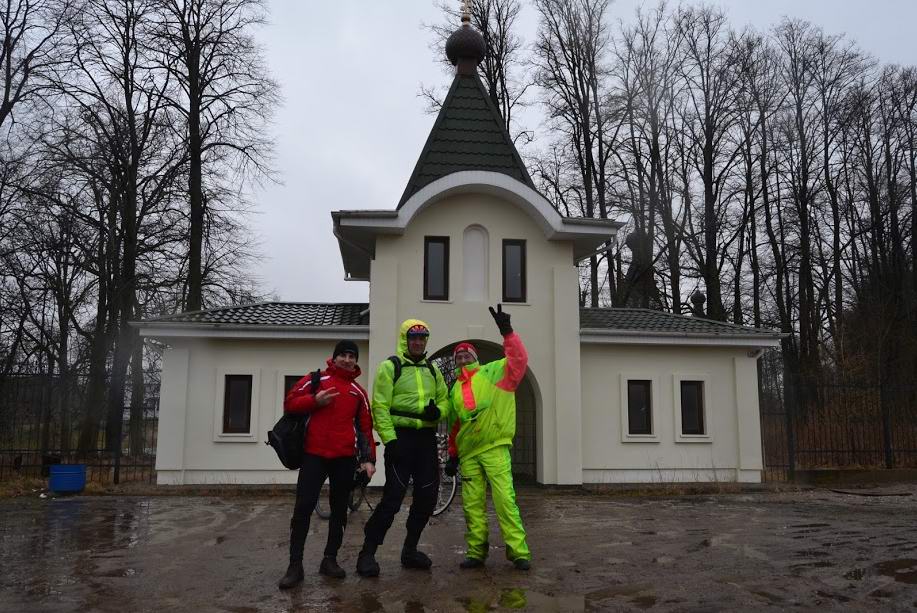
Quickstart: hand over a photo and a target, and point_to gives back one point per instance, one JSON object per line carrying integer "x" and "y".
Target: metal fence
{"x": 837, "y": 425}
{"x": 45, "y": 420}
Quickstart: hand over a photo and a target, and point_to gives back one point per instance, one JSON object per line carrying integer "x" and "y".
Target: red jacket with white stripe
{"x": 331, "y": 432}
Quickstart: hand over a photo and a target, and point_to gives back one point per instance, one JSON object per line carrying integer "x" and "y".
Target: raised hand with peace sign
{"x": 502, "y": 319}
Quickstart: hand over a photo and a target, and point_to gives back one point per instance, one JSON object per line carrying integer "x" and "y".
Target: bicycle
{"x": 357, "y": 496}
{"x": 448, "y": 485}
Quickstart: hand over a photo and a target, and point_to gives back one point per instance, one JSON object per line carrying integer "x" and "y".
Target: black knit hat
{"x": 345, "y": 346}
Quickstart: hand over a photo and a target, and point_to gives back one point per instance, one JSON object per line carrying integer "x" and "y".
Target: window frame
{"x": 219, "y": 435}
{"x": 626, "y": 436}
{"x": 281, "y": 385}
{"x": 680, "y": 436}
{"x": 509, "y": 242}
{"x": 427, "y": 241}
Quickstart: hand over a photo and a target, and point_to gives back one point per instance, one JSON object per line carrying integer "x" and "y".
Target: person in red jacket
{"x": 332, "y": 451}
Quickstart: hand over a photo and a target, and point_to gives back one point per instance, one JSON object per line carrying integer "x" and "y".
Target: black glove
{"x": 452, "y": 466}
{"x": 431, "y": 412}
{"x": 360, "y": 479}
{"x": 392, "y": 451}
{"x": 502, "y": 319}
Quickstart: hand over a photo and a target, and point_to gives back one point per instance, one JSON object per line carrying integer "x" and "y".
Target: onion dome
{"x": 465, "y": 47}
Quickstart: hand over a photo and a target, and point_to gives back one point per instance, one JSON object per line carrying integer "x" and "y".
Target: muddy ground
{"x": 806, "y": 550}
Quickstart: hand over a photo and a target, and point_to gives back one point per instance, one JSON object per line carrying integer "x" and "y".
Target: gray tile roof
{"x": 469, "y": 134}
{"x": 314, "y": 314}
{"x": 294, "y": 314}
{"x": 659, "y": 322}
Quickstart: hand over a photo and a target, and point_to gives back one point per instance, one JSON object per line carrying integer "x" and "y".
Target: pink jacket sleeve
{"x": 517, "y": 360}
{"x": 453, "y": 449}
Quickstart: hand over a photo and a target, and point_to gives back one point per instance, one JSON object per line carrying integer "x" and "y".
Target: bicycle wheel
{"x": 447, "y": 487}
{"x": 321, "y": 511}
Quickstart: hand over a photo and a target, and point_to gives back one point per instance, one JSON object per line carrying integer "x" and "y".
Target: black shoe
{"x": 293, "y": 577}
{"x": 415, "y": 559}
{"x": 471, "y": 563}
{"x": 367, "y": 565}
{"x": 329, "y": 567}
{"x": 522, "y": 564}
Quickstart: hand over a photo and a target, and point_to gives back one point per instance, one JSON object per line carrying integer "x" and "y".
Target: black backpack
{"x": 289, "y": 432}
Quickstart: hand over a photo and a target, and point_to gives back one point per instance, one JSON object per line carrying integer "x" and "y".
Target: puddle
{"x": 837, "y": 597}
{"x": 811, "y": 553}
{"x": 818, "y": 564}
{"x": 517, "y": 598}
{"x": 124, "y": 572}
{"x": 644, "y": 602}
{"x": 903, "y": 571}
{"x": 773, "y": 598}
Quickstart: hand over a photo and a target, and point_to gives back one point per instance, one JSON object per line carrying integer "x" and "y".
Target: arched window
{"x": 474, "y": 260}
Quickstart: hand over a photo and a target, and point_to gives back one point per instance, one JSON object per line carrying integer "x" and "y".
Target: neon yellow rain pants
{"x": 493, "y": 466}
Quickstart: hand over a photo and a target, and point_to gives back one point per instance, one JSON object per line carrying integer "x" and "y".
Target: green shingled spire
{"x": 469, "y": 133}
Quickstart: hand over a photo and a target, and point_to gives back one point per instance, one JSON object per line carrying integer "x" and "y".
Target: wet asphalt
{"x": 734, "y": 552}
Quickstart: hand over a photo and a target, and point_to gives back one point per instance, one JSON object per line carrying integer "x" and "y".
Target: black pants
{"x": 419, "y": 460}
{"x": 315, "y": 469}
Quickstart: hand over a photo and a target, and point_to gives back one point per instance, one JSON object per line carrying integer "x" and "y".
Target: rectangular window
{"x": 639, "y": 407}
{"x": 436, "y": 268}
{"x": 513, "y": 270}
{"x": 289, "y": 381}
{"x": 692, "y": 407}
{"x": 237, "y": 404}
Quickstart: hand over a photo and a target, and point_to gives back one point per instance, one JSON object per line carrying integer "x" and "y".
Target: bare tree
{"x": 115, "y": 110}
{"x": 570, "y": 53}
{"x": 645, "y": 96}
{"x": 710, "y": 70}
{"x": 30, "y": 35}
{"x": 225, "y": 97}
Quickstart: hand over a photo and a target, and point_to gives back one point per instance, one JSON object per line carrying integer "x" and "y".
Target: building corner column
{"x": 748, "y": 421}
{"x": 173, "y": 413}
{"x": 567, "y": 379}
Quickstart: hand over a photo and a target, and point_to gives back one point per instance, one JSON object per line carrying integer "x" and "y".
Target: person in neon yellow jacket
{"x": 483, "y": 413}
{"x": 409, "y": 395}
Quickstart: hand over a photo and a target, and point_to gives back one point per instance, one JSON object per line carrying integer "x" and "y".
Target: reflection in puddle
{"x": 903, "y": 571}
{"x": 517, "y": 598}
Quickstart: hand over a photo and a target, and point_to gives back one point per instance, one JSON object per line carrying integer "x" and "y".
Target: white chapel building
{"x": 612, "y": 395}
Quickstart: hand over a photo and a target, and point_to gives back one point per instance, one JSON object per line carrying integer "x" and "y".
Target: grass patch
{"x": 35, "y": 486}
{"x": 22, "y": 486}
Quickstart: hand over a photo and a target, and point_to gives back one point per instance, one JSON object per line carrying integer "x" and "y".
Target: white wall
{"x": 191, "y": 448}
{"x": 548, "y": 322}
{"x": 731, "y": 452}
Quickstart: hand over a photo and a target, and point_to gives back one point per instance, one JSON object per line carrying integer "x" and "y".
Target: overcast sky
{"x": 352, "y": 124}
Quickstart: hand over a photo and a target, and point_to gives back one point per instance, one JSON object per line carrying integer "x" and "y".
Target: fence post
{"x": 118, "y": 437}
{"x": 886, "y": 428}
{"x": 789, "y": 401}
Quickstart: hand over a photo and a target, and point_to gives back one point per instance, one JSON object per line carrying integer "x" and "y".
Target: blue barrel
{"x": 67, "y": 478}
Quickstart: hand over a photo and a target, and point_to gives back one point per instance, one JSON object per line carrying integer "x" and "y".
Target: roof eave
{"x": 656, "y": 337}
{"x": 250, "y": 331}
